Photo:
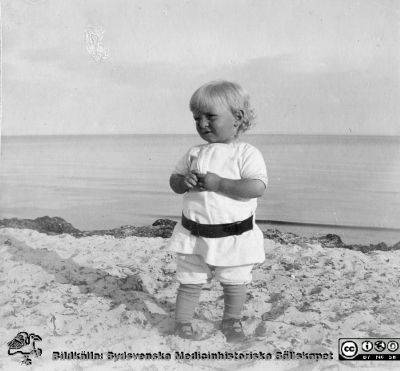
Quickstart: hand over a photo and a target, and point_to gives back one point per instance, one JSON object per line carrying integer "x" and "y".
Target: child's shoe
{"x": 233, "y": 331}
{"x": 185, "y": 331}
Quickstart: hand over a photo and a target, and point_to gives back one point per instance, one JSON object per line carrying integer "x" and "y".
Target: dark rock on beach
{"x": 55, "y": 225}
{"x": 328, "y": 241}
{"x": 286, "y": 238}
{"x": 164, "y": 227}
{"x": 44, "y": 224}
{"x": 160, "y": 228}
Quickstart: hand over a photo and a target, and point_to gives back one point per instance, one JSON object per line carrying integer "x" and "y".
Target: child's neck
{"x": 232, "y": 140}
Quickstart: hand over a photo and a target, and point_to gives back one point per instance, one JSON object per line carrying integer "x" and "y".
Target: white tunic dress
{"x": 235, "y": 160}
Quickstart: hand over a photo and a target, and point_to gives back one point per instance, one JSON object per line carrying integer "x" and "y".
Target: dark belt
{"x": 217, "y": 230}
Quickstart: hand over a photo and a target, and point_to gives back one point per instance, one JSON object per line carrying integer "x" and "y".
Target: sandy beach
{"x": 105, "y": 294}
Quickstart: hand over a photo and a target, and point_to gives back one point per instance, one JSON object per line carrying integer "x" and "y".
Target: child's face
{"x": 216, "y": 124}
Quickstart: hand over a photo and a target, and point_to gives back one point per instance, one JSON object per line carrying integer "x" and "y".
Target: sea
{"x": 318, "y": 184}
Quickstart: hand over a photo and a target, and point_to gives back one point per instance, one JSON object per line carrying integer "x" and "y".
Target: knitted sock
{"x": 186, "y": 302}
{"x": 234, "y": 298}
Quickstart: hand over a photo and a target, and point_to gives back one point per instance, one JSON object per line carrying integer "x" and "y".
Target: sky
{"x": 130, "y": 66}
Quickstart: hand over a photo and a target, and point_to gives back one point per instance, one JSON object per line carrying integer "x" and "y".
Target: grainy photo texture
{"x": 252, "y": 224}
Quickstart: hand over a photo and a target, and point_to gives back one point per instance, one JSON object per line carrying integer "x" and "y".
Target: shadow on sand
{"x": 129, "y": 290}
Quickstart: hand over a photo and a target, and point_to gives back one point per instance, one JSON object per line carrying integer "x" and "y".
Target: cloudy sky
{"x": 130, "y": 66}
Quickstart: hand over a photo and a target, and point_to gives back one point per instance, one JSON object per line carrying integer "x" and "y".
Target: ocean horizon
{"x": 317, "y": 183}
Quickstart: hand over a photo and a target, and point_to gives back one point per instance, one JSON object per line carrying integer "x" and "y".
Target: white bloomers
{"x": 193, "y": 270}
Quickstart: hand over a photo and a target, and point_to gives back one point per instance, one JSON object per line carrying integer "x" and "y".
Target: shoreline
{"x": 163, "y": 228}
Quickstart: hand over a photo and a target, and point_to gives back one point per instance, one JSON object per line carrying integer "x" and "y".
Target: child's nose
{"x": 203, "y": 122}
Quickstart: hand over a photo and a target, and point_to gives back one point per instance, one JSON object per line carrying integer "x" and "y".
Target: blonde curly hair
{"x": 226, "y": 93}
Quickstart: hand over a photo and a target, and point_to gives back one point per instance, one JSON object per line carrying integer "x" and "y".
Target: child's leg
{"x": 186, "y": 302}
{"x": 234, "y": 298}
{"x": 233, "y": 281}
{"x": 192, "y": 272}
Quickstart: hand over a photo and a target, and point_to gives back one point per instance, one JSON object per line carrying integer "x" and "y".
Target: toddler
{"x": 221, "y": 181}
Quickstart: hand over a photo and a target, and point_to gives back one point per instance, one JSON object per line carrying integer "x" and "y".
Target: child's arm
{"x": 183, "y": 183}
{"x": 236, "y": 188}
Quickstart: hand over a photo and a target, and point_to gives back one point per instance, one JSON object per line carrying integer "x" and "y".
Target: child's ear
{"x": 239, "y": 117}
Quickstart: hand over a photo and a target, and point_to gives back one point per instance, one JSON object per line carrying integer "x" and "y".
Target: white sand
{"x": 104, "y": 294}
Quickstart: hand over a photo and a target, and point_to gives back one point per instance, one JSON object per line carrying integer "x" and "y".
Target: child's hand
{"x": 234, "y": 188}
{"x": 209, "y": 182}
{"x": 190, "y": 180}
